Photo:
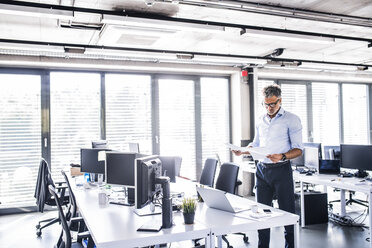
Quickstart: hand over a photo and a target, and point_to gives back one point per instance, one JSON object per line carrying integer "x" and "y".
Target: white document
{"x": 258, "y": 153}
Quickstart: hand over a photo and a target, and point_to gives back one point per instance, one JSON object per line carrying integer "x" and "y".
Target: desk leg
{"x": 342, "y": 202}
{"x": 370, "y": 219}
{"x": 297, "y": 235}
{"x": 209, "y": 241}
{"x": 219, "y": 241}
{"x": 302, "y": 204}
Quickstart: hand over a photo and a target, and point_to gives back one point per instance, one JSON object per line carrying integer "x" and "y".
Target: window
{"x": 20, "y": 139}
{"x": 355, "y": 115}
{"x": 128, "y": 111}
{"x": 215, "y": 118}
{"x": 295, "y": 101}
{"x": 177, "y": 122}
{"x": 75, "y": 116}
{"x": 325, "y": 104}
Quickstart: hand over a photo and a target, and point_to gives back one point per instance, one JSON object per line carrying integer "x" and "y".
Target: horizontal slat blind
{"x": 355, "y": 115}
{"x": 177, "y": 123}
{"x": 128, "y": 111}
{"x": 20, "y": 139}
{"x": 294, "y": 100}
{"x": 325, "y": 103}
{"x": 75, "y": 116}
{"x": 215, "y": 118}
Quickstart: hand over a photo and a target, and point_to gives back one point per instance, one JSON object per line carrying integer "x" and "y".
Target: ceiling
{"x": 312, "y": 34}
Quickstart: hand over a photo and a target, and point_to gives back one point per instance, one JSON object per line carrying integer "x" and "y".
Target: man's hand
{"x": 275, "y": 157}
{"x": 237, "y": 153}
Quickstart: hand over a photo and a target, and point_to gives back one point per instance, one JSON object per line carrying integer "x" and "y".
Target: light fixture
{"x": 33, "y": 48}
{"x": 153, "y": 23}
{"x": 36, "y": 12}
{"x": 334, "y": 67}
{"x": 286, "y": 36}
{"x": 131, "y": 54}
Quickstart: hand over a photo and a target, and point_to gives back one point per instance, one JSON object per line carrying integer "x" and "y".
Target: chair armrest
{"x": 59, "y": 182}
{"x": 60, "y": 187}
{"x": 84, "y": 235}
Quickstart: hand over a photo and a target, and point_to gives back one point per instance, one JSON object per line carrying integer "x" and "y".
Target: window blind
{"x": 215, "y": 119}
{"x": 75, "y": 116}
{"x": 355, "y": 113}
{"x": 128, "y": 111}
{"x": 20, "y": 139}
{"x": 325, "y": 104}
{"x": 177, "y": 122}
{"x": 294, "y": 99}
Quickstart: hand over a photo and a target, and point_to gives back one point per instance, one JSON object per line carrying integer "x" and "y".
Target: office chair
{"x": 66, "y": 241}
{"x": 208, "y": 172}
{"x": 44, "y": 197}
{"x": 350, "y": 201}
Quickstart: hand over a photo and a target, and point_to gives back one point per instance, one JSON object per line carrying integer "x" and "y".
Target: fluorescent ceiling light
{"x": 36, "y": 12}
{"x": 287, "y": 36}
{"x": 328, "y": 66}
{"x": 132, "y": 54}
{"x": 29, "y": 47}
{"x": 222, "y": 59}
{"x": 152, "y": 23}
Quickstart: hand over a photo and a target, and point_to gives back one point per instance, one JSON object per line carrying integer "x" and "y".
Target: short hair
{"x": 272, "y": 90}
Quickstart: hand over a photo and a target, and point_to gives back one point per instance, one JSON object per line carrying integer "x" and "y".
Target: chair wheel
{"x": 37, "y": 226}
{"x": 245, "y": 239}
{"x": 38, "y": 233}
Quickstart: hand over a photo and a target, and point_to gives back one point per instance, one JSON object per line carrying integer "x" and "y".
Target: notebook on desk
{"x": 218, "y": 199}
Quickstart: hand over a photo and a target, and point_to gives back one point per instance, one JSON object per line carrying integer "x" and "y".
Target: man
{"x": 281, "y": 133}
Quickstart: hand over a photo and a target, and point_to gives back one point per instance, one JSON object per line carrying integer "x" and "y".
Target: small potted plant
{"x": 188, "y": 208}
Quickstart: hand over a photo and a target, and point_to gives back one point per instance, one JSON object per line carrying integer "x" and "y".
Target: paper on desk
{"x": 258, "y": 153}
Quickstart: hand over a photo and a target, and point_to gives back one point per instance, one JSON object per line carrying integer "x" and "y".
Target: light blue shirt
{"x": 279, "y": 134}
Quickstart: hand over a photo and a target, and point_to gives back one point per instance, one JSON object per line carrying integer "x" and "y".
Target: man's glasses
{"x": 272, "y": 105}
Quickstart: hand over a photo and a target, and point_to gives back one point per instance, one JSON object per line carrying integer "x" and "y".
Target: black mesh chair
{"x": 66, "y": 239}
{"x": 228, "y": 181}
{"x": 44, "y": 197}
{"x": 208, "y": 172}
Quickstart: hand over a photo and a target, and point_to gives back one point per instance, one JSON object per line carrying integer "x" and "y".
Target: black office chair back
{"x": 228, "y": 177}
{"x": 72, "y": 209}
{"x": 44, "y": 179}
{"x": 66, "y": 242}
{"x": 208, "y": 172}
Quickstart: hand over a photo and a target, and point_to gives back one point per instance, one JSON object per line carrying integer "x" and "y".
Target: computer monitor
{"x": 311, "y": 158}
{"x": 99, "y": 144}
{"x": 332, "y": 152}
{"x": 119, "y": 168}
{"x": 315, "y": 145}
{"x": 171, "y": 166}
{"x": 89, "y": 160}
{"x": 147, "y": 170}
{"x": 357, "y": 157}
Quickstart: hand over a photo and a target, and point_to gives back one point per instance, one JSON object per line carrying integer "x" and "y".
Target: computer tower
{"x": 316, "y": 207}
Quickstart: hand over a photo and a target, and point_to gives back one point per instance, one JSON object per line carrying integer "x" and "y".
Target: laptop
{"x": 218, "y": 199}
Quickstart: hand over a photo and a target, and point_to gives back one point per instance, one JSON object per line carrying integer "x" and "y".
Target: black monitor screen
{"x": 332, "y": 152}
{"x": 89, "y": 161}
{"x": 315, "y": 145}
{"x": 147, "y": 169}
{"x": 356, "y": 157}
{"x": 120, "y": 168}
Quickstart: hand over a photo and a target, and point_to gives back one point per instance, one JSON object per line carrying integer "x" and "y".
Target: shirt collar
{"x": 280, "y": 113}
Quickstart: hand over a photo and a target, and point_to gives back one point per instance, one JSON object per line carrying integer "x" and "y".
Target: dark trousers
{"x": 278, "y": 181}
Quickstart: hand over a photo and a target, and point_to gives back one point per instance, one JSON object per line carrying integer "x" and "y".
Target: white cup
{"x": 254, "y": 208}
{"x": 103, "y": 198}
{"x": 100, "y": 179}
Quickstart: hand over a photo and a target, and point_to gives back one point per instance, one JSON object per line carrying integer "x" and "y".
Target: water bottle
{"x": 86, "y": 177}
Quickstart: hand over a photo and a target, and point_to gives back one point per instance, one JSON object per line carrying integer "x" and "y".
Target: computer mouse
{"x": 309, "y": 173}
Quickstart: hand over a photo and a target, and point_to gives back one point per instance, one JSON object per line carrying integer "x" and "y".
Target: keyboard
{"x": 302, "y": 170}
{"x": 345, "y": 174}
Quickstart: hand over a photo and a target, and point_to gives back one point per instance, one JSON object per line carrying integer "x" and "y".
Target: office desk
{"x": 113, "y": 226}
{"x": 116, "y": 226}
{"x": 351, "y": 184}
